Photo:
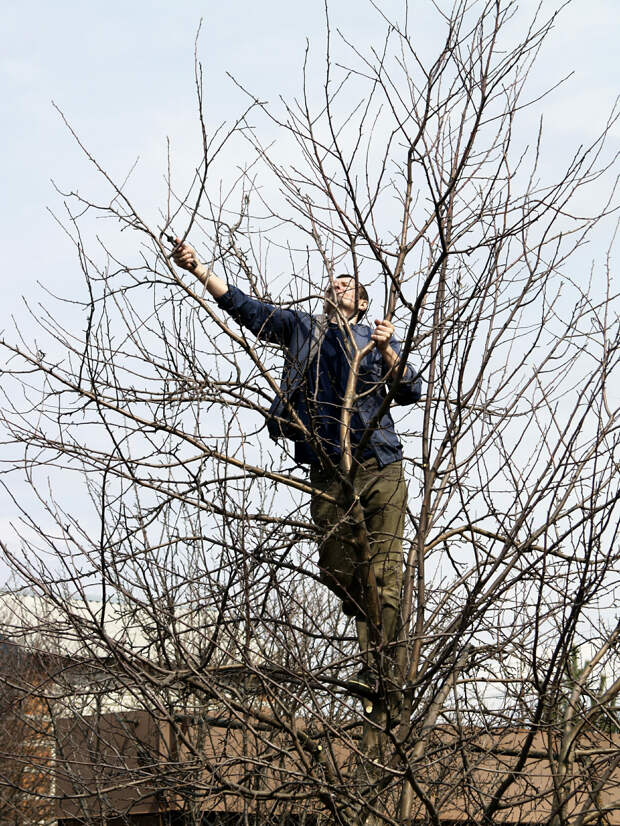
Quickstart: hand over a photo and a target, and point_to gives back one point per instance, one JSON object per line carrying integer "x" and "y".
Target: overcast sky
{"x": 122, "y": 73}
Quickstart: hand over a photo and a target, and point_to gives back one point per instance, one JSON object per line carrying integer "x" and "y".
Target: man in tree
{"x": 310, "y": 410}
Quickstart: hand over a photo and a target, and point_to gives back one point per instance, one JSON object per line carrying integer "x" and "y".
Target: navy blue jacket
{"x": 318, "y": 386}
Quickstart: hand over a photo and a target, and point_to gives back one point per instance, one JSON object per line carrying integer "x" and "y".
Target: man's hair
{"x": 362, "y": 295}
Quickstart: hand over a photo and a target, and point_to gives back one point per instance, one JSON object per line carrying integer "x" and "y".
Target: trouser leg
{"x": 383, "y": 497}
{"x": 389, "y": 620}
{"x": 386, "y": 660}
{"x": 391, "y": 629}
{"x": 364, "y": 642}
{"x": 338, "y": 567}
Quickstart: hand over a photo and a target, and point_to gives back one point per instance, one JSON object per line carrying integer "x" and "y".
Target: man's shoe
{"x": 364, "y": 684}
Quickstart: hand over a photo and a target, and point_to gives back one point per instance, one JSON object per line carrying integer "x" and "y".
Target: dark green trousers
{"x": 383, "y": 496}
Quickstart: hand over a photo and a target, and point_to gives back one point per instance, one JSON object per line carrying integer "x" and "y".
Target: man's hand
{"x": 185, "y": 256}
{"x": 382, "y": 334}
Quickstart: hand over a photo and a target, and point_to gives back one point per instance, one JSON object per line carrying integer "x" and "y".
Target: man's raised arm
{"x": 267, "y": 321}
{"x": 185, "y": 257}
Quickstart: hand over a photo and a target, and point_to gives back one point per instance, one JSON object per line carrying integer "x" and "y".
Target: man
{"x": 309, "y": 409}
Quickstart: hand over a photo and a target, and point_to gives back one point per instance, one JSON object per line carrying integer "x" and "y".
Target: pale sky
{"x": 122, "y": 72}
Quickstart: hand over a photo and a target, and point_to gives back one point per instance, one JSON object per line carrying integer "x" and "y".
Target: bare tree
{"x": 26, "y": 745}
{"x": 405, "y": 172}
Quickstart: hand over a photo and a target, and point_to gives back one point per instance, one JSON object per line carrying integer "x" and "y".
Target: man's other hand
{"x": 382, "y": 334}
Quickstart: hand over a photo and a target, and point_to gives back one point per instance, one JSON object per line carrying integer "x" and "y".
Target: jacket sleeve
{"x": 409, "y": 388}
{"x": 265, "y": 320}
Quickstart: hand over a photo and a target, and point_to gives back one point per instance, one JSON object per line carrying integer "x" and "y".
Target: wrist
{"x": 201, "y": 272}
{"x": 390, "y": 357}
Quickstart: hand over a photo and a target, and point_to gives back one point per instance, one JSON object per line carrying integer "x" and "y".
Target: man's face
{"x": 342, "y": 293}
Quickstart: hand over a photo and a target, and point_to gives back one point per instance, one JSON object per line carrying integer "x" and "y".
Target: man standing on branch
{"x": 311, "y": 409}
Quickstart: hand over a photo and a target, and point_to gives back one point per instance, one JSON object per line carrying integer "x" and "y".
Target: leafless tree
{"x": 26, "y": 747}
{"x": 191, "y": 587}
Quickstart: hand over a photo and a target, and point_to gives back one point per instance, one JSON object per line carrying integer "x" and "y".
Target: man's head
{"x": 341, "y": 294}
